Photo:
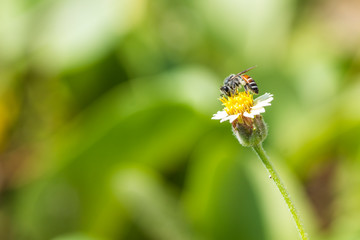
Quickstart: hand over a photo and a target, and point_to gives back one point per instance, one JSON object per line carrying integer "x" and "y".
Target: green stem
{"x": 265, "y": 159}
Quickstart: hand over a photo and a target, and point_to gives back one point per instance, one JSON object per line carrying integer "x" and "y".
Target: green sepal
{"x": 250, "y": 135}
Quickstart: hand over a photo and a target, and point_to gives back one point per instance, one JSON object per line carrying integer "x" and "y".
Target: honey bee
{"x": 233, "y": 82}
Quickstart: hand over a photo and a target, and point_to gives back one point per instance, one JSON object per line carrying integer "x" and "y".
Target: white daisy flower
{"x": 242, "y": 105}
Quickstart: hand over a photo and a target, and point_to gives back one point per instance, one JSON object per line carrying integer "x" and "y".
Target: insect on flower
{"x": 244, "y": 114}
{"x": 233, "y": 82}
{"x": 242, "y": 111}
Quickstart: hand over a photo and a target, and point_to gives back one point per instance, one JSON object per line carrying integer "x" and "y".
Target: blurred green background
{"x": 105, "y": 129}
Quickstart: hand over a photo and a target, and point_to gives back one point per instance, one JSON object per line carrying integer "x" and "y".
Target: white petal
{"x": 219, "y": 115}
{"x": 260, "y": 105}
{"x": 249, "y": 115}
{"x": 225, "y": 118}
{"x": 233, "y": 117}
{"x": 267, "y": 101}
{"x": 267, "y": 97}
{"x": 262, "y": 101}
{"x": 257, "y": 111}
{"x": 264, "y": 96}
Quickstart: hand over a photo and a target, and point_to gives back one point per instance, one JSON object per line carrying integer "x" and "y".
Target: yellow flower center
{"x": 237, "y": 103}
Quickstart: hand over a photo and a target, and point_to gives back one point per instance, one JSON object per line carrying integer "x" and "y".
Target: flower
{"x": 241, "y": 106}
{"x": 243, "y": 113}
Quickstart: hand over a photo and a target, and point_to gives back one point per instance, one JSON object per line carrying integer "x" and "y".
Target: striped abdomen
{"x": 249, "y": 84}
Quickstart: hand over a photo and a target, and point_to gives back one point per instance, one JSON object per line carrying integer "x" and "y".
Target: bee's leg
{"x": 246, "y": 88}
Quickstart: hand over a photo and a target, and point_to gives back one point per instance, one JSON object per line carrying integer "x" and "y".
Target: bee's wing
{"x": 246, "y": 70}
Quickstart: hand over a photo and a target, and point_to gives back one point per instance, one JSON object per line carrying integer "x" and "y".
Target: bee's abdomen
{"x": 254, "y": 87}
{"x": 251, "y": 83}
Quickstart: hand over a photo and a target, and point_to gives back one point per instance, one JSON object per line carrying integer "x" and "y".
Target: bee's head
{"x": 225, "y": 90}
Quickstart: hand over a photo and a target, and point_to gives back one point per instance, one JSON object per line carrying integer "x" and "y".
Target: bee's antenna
{"x": 246, "y": 70}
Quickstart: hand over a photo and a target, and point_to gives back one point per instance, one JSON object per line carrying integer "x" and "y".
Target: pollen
{"x": 240, "y": 102}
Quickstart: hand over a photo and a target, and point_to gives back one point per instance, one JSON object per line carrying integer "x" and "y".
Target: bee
{"x": 233, "y": 82}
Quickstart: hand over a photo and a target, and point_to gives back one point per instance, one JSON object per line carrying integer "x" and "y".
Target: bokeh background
{"x": 105, "y": 129}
